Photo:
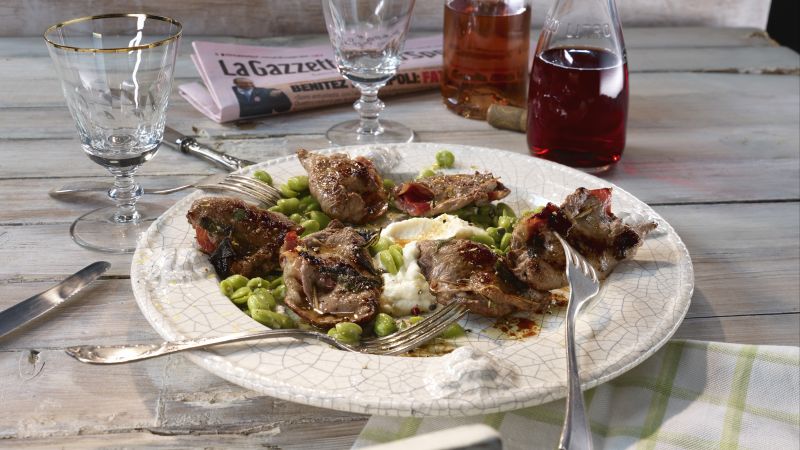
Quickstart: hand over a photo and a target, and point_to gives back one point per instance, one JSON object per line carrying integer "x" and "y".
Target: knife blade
{"x": 190, "y": 146}
{"x": 27, "y": 310}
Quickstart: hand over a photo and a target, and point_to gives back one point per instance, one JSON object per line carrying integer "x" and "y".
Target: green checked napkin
{"x": 689, "y": 395}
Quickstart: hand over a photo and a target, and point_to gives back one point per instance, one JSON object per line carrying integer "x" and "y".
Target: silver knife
{"x": 27, "y": 310}
{"x": 190, "y": 146}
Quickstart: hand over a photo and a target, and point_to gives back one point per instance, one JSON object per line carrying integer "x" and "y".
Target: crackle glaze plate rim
{"x": 649, "y": 295}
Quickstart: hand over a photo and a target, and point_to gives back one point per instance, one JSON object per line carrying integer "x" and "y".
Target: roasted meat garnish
{"x": 329, "y": 277}
{"x": 350, "y": 190}
{"x": 460, "y": 269}
{"x": 586, "y": 222}
{"x": 241, "y": 238}
{"x": 440, "y": 194}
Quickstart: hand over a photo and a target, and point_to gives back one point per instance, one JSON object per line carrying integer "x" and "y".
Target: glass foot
{"x": 97, "y": 230}
{"x": 346, "y": 133}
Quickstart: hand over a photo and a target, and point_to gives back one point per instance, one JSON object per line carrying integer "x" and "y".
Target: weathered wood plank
{"x": 756, "y": 330}
{"x": 321, "y": 436}
{"x": 681, "y": 101}
{"x": 740, "y": 263}
{"x": 635, "y": 38}
{"x": 253, "y": 18}
{"x": 48, "y": 394}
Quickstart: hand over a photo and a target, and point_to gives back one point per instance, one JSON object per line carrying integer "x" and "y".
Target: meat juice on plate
{"x": 578, "y": 107}
{"x": 485, "y": 55}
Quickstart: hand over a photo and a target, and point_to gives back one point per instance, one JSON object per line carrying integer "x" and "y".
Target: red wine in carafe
{"x": 578, "y": 107}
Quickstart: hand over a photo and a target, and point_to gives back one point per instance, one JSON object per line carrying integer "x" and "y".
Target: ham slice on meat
{"x": 586, "y": 222}
{"x": 439, "y": 194}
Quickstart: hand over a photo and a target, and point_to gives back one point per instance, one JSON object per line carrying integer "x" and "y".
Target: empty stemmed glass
{"x": 116, "y": 74}
{"x": 368, "y": 38}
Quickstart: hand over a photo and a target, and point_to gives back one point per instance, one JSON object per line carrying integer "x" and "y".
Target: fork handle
{"x": 576, "y": 434}
{"x": 117, "y": 354}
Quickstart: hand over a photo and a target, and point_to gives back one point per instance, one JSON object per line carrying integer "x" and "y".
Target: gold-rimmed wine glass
{"x": 116, "y": 74}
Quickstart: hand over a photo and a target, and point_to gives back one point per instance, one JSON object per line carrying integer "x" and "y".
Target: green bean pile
{"x": 297, "y": 203}
{"x": 258, "y": 298}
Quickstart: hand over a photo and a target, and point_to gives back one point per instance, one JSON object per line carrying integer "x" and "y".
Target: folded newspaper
{"x": 242, "y": 81}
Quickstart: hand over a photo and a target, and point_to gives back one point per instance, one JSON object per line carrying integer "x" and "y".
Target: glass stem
{"x": 125, "y": 193}
{"x": 369, "y": 107}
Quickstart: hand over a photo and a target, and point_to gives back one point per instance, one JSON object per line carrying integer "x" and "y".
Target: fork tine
{"x": 227, "y": 187}
{"x": 420, "y": 335}
{"x": 247, "y": 191}
{"x": 421, "y": 325}
{"x": 416, "y": 340}
{"x": 256, "y": 185}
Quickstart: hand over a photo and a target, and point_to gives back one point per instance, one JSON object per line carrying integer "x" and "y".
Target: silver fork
{"x": 400, "y": 342}
{"x": 250, "y": 187}
{"x": 583, "y": 285}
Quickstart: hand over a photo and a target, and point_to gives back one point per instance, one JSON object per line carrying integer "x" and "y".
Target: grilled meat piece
{"x": 350, "y": 190}
{"x": 463, "y": 269}
{"x": 439, "y": 194}
{"x": 586, "y": 222}
{"x": 241, "y": 238}
{"x": 329, "y": 277}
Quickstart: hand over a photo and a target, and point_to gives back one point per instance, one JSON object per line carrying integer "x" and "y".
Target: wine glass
{"x": 116, "y": 74}
{"x": 368, "y": 38}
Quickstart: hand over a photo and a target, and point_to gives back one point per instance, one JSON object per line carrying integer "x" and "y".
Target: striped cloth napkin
{"x": 689, "y": 395}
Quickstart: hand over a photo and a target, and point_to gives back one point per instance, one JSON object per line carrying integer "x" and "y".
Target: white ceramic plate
{"x": 641, "y": 305}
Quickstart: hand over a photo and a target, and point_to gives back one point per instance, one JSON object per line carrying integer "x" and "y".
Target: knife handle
{"x": 192, "y": 147}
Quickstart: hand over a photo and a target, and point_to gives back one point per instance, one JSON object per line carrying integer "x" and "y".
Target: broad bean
{"x": 445, "y": 159}
{"x": 380, "y": 245}
{"x": 236, "y": 281}
{"x": 309, "y": 226}
{"x": 483, "y": 239}
{"x": 263, "y": 176}
{"x": 288, "y": 192}
{"x": 397, "y": 255}
{"x": 504, "y": 210}
{"x": 384, "y": 325}
{"x": 272, "y": 319}
{"x": 257, "y": 282}
{"x": 505, "y": 222}
{"x": 387, "y": 261}
{"x": 505, "y": 242}
{"x": 289, "y": 205}
{"x": 298, "y": 183}
{"x": 240, "y": 295}
{"x": 425, "y": 173}
{"x": 276, "y": 282}
{"x": 454, "y": 330}
{"x": 322, "y": 219}
{"x": 279, "y": 293}
{"x": 261, "y": 299}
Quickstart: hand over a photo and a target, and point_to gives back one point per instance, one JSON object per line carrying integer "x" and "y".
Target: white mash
{"x": 408, "y": 288}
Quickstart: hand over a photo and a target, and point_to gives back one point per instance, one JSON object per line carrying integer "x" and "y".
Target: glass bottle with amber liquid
{"x": 486, "y": 54}
{"x": 578, "y": 91}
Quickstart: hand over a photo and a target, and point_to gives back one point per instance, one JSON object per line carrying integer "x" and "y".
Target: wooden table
{"x": 713, "y": 146}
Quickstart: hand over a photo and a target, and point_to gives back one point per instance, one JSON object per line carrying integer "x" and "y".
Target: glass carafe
{"x": 578, "y": 92}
